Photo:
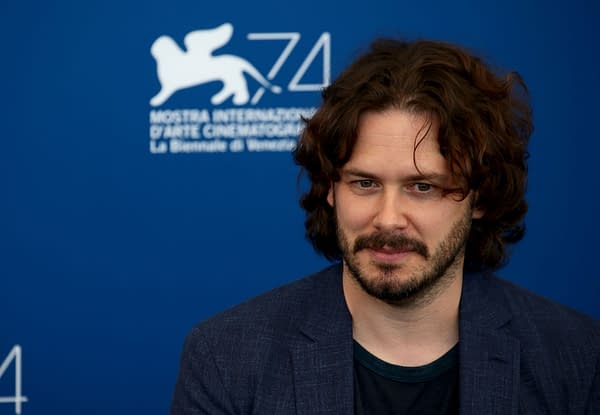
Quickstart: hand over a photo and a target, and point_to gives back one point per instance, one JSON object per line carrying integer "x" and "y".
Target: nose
{"x": 392, "y": 211}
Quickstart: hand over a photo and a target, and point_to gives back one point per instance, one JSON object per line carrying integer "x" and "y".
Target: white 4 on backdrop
{"x": 14, "y": 356}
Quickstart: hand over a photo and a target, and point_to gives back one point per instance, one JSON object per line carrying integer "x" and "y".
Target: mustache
{"x": 378, "y": 240}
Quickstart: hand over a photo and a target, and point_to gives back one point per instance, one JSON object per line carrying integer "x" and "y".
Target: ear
{"x": 330, "y": 196}
{"x": 477, "y": 213}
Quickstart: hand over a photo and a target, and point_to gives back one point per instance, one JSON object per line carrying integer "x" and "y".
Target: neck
{"x": 411, "y": 333}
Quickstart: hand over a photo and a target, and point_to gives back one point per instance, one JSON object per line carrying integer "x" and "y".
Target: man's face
{"x": 399, "y": 234}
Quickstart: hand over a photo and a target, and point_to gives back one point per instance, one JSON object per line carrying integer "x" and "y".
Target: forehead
{"x": 388, "y": 140}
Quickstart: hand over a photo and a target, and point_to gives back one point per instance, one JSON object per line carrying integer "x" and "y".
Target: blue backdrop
{"x": 122, "y": 223}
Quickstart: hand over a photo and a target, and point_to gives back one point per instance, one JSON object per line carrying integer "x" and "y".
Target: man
{"x": 417, "y": 162}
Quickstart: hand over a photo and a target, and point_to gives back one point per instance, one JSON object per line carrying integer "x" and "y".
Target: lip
{"x": 388, "y": 255}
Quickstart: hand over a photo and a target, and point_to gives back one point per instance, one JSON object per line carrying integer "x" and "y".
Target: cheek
{"x": 353, "y": 214}
{"x": 438, "y": 225}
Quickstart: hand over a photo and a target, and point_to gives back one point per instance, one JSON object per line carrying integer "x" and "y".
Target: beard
{"x": 419, "y": 284}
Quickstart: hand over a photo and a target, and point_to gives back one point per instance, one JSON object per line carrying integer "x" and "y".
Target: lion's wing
{"x": 206, "y": 41}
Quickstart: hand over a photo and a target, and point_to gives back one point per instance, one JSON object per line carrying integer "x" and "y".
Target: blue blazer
{"x": 289, "y": 352}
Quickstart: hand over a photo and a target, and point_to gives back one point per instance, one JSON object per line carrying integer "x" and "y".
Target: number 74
{"x": 322, "y": 44}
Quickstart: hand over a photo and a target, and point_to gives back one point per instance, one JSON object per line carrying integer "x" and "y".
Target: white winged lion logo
{"x": 177, "y": 69}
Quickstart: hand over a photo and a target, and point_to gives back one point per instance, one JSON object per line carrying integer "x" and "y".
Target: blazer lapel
{"x": 322, "y": 360}
{"x": 488, "y": 372}
{"x": 322, "y": 357}
{"x": 489, "y": 359}
{"x": 323, "y": 379}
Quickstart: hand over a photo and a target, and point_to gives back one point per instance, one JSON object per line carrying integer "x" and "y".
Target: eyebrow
{"x": 411, "y": 178}
{"x": 356, "y": 172}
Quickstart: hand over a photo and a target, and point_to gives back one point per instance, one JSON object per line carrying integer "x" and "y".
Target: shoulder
{"x": 558, "y": 347}
{"x": 553, "y": 338}
{"x": 543, "y": 327}
{"x": 244, "y": 352}
{"x": 242, "y": 359}
{"x": 278, "y": 307}
{"x": 265, "y": 326}
{"x": 532, "y": 310}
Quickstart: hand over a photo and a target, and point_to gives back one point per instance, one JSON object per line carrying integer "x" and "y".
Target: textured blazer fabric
{"x": 290, "y": 351}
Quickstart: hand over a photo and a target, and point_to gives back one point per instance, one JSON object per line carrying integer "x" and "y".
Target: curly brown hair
{"x": 485, "y": 122}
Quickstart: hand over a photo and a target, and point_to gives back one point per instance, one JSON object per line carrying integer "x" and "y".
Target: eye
{"x": 365, "y": 183}
{"x": 364, "y": 186}
{"x": 424, "y": 191}
{"x": 422, "y": 187}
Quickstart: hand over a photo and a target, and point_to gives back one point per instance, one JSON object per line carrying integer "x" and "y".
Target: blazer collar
{"x": 322, "y": 357}
{"x": 489, "y": 359}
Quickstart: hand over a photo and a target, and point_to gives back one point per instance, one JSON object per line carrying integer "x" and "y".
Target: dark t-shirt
{"x": 385, "y": 389}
